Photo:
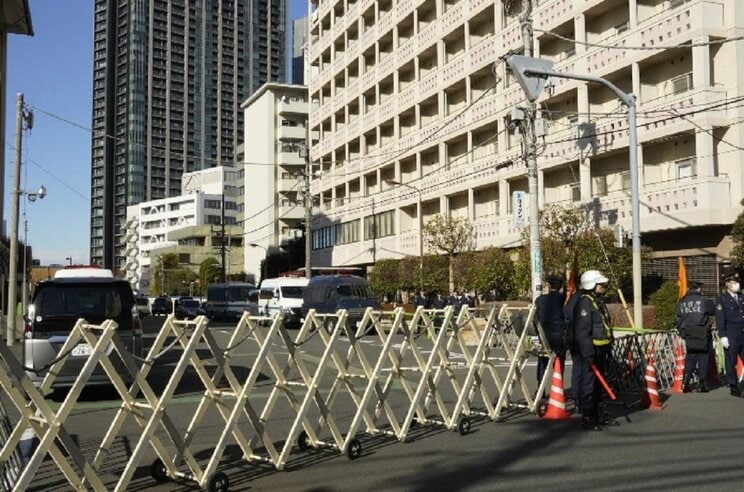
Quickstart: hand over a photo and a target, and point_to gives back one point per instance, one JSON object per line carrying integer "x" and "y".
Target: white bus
{"x": 229, "y": 301}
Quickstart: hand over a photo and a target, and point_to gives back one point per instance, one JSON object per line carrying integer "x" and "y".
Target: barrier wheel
{"x": 303, "y": 441}
{"x": 463, "y": 426}
{"x": 541, "y": 409}
{"x": 158, "y": 471}
{"x": 354, "y": 450}
{"x": 218, "y": 483}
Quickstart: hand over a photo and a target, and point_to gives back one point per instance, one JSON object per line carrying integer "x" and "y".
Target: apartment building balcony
{"x": 675, "y": 204}
{"x": 287, "y": 185}
{"x": 293, "y": 106}
{"x": 292, "y": 132}
{"x": 291, "y": 158}
{"x": 288, "y": 210}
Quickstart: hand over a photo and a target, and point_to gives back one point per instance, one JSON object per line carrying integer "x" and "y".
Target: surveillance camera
{"x": 42, "y": 192}
{"x": 318, "y": 173}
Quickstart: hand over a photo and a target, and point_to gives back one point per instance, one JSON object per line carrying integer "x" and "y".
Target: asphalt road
{"x": 692, "y": 444}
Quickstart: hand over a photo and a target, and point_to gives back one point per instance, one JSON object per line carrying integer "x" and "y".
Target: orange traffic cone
{"x": 652, "y": 392}
{"x": 679, "y": 370}
{"x": 556, "y": 409}
{"x": 739, "y": 369}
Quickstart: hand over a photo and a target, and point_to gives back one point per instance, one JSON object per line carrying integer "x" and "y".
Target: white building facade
{"x": 415, "y": 92}
{"x": 275, "y": 133}
{"x": 148, "y": 223}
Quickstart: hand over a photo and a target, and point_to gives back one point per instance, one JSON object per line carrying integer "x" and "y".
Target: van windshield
{"x": 292, "y": 292}
{"x": 81, "y": 300}
{"x": 355, "y": 291}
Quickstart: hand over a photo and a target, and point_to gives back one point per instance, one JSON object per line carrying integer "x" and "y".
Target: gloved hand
{"x": 725, "y": 342}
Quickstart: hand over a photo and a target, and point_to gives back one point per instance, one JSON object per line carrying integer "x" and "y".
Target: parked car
{"x": 161, "y": 306}
{"x": 57, "y": 304}
{"x": 329, "y": 293}
{"x": 188, "y": 308}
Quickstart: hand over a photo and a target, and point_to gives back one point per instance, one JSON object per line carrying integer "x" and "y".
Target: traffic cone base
{"x": 556, "y": 409}
{"x": 679, "y": 370}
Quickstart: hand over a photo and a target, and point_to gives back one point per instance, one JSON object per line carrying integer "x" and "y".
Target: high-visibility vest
{"x": 605, "y": 322}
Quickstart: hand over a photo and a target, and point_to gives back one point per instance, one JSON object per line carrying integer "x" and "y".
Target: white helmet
{"x": 590, "y": 278}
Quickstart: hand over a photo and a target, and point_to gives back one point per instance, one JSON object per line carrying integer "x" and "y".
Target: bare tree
{"x": 451, "y": 236}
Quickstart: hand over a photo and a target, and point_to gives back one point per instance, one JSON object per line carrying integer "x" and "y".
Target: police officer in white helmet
{"x": 592, "y": 341}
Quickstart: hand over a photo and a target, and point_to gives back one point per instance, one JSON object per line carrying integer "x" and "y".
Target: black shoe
{"x": 609, "y": 421}
{"x": 703, "y": 388}
{"x": 686, "y": 389}
{"x": 736, "y": 392}
{"x": 589, "y": 423}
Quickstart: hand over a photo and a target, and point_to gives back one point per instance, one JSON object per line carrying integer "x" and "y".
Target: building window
{"x": 184, "y": 258}
{"x": 625, "y": 180}
{"x": 575, "y": 192}
{"x": 379, "y": 225}
{"x": 600, "y": 185}
{"x": 681, "y": 83}
{"x": 685, "y": 168}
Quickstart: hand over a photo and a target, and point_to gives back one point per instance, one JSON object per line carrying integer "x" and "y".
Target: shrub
{"x": 664, "y": 301}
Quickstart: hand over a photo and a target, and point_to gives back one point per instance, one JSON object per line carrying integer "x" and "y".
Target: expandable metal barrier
{"x": 434, "y": 367}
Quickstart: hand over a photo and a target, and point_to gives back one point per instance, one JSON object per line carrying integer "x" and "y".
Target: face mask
{"x": 735, "y": 287}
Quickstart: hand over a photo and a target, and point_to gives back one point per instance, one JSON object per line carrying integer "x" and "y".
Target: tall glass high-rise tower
{"x": 168, "y": 80}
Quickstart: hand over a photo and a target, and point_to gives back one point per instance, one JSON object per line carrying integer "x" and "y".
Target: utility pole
{"x": 16, "y": 194}
{"x": 530, "y": 139}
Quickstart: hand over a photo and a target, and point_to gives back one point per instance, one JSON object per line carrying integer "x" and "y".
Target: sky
{"x": 53, "y": 70}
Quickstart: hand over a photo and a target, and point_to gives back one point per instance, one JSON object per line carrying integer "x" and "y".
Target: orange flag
{"x": 573, "y": 277}
{"x": 682, "y": 279}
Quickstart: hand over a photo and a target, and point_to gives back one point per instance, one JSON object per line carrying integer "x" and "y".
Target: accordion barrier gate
{"x": 384, "y": 376}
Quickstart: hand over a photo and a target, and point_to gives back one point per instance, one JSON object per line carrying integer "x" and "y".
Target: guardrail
{"x": 383, "y": 376}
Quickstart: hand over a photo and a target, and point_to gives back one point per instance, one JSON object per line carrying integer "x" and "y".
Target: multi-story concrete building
{"x": 416, "y": 93}
{"x": 149, "y": 224}
{"x": 168, "y": 80}
{"x": 275, "y": 135}
{"x": 299, "y": 43}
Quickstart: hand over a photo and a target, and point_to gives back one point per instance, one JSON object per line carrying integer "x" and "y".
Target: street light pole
{"x": 531, "y": 74}
{"x": 420, "y": 228}
{"x": 69, "y": 260}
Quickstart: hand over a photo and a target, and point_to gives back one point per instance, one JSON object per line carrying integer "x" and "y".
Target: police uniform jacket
{"x": 694, "y": 313}
{"x": 730, "y": 316}
{"x": 550, "y": 313}
{"x": 591, "y": 324}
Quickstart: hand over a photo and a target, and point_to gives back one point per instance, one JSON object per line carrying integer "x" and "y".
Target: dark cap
{"x": 554, "y": 280}
{"x": 731, "y": 276}
{"x": 694, "y": 284}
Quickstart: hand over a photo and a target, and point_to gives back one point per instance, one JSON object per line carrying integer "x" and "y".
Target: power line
{"x": 641, "y": 48}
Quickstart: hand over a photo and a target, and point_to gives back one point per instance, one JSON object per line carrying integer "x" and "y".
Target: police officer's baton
{"x": 602, "y": 380}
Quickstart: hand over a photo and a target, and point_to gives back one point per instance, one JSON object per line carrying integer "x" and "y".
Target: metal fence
{"x": 382, "y": 376}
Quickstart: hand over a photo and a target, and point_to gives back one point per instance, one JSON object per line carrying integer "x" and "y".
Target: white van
{"x": 283, "y": 295}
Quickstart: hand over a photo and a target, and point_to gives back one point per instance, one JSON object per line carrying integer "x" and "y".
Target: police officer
{"x": 549, "y": 313}
{"x": 422, "y": 300}
{"x": 593, "y": 343}
{"x": 694, "y": 315}
{"x": 730, "y": 325}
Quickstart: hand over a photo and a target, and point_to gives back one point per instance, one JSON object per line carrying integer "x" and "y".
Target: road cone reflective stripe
{"x": 556, "y": 409}
{"x": 679, "y": 370}
{"x": 652, "y": 392}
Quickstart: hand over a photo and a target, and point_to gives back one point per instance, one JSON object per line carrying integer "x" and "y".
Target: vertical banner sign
{"x": 519, "y": 208}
